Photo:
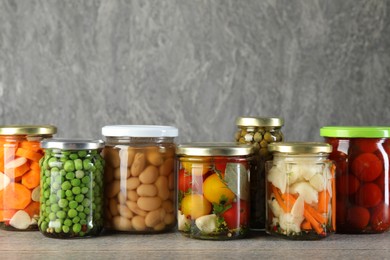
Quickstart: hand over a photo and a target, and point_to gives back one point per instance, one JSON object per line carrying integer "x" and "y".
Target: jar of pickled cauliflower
{"x": 20, "y": 153}
{"x": 362, "y": 162}
{"x": 213, "y": 196}
{"x": 140, "y": 194}
{"x": 259, "y": 132}
{"x": 71, "y": 201}
{"x": 301, "y": 189}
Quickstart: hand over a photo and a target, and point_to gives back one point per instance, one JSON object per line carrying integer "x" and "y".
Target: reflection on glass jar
{"x": 259, "y": 132}
{"x": 362, "y": 162}
{"x": 20, "y": 153}
{"x": 213, "y": 196}
{"x": 300, "y": 191}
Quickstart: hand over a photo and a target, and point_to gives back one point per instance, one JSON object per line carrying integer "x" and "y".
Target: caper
{"x": 258, "y": 137}
{"x": 268, "y": 137}
{"x": 263, "y": 144}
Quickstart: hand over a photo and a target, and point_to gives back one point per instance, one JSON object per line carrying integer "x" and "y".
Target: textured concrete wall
{"x": 197, "y": 65}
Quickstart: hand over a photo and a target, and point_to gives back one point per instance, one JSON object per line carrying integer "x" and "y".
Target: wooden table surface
{"x": 33, "y": 245}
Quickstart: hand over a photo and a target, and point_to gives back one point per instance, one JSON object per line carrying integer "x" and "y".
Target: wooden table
{"x": 33, "y": 245}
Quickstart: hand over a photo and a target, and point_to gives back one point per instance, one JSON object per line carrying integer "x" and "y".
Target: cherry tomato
{"x": 369, "y": 195}
{"x": 237, "y": 215}
{"x": 220, "y": 165}
{"x": 341, "y": 212}
{"x": 358, "y": 217}
{"x": 380, "y": 181}
{"x": 347, "y": 184}
{"x": 184, "y": 180}
{"x": 367, "y": 167}
{"x": 380, "y": 218}
{"x": 366, "y": 145}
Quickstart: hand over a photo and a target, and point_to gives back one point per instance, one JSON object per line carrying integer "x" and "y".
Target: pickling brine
{"x": 300, "y": 191}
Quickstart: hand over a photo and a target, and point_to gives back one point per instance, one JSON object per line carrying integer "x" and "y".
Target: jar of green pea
{"x": 71, "y": 197}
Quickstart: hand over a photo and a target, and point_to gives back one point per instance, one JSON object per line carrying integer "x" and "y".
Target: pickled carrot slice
{"x": 33, "y": 156}
{"x": 31, "y": 179}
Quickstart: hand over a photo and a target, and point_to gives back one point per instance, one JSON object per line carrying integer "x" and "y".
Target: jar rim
{"x": 355, "y": 131}
{"x": 27, "y": 129}
{"x": 72, "y": 144}
{"x": 259, "y": 121}
{"x": 214, "y": 149}
{"x": 300, "y": 147}
{"x": 140, "y": 131}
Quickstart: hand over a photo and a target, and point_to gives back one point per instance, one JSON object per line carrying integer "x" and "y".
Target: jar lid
{"x": 140, "y": 130}
{"x": 214, "y": 149}
{"x": 27, "y": 129}
{"x": 300, "y": 147}
{"x": 259, "y": 121}
{"x": 72, "y": 144}
{"x": 355, "y": 131}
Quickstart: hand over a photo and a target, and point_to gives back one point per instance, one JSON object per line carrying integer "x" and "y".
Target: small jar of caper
{"x": 259, "y": 131}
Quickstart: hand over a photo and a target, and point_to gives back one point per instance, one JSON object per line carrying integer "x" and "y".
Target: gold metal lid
{"x": 214, "y": 149}
{"x": 27, "y": 129}
{"x": 259, "y": 121}
{"x": 300, "y": 147}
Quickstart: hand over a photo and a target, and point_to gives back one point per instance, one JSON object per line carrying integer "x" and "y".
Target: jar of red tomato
{"x": 361, "y": 155}
{"x": 214, "y": 193}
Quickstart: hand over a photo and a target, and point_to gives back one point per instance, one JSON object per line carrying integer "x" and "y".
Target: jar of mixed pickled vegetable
{"x": 259, "y": 132}
{"x": 140, "y": 184}
{"x": 213, "y": 196}
{"x": 362, "y": 162}
{"x": 20, "y": 153}
{"x": 300, "y": 186}
{"x": 71, "y": 199}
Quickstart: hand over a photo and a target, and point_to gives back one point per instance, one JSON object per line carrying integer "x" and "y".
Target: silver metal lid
{"x": 72, "y": 144}
{"x": 214, "y": 149}
{"x": 300, "y": 147}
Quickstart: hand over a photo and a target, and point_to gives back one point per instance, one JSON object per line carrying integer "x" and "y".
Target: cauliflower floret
{"x": 278, "y": 178}
{"x": 274, "y": 206}
{"x": 291, "y": 222}
{"x": 182, "y": 221}
{"x": 304, "y": 189}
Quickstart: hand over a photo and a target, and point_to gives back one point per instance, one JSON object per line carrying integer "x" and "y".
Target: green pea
{"x": 62, "y": 172}
{"x": 54, "y": 171}
{"x": 73, "y": 204}
{"x": 61, "y": 214}
{"x": 66, "y": 185}
{"x": 44, "y": 226}
{"x": 45, "y": 186}
{"x": 48, "y": 210}
{"x": 83, "y": 222}
{"x": 80, "y": 208}
{"x": 82, "y": 153}
{"x": 63, "y": 203}
{"x": 69, "y": 166}
{"x": 47, "y": 173}
{"x": 82, "y": 215}
{"x": 76, "y": 190}
{"x": 65, "y": 229}
{"x": 79, "y": 198}
{"x": 54, "y": 207}
{"x": 46, "y": 194}
{"x": 76, "y": 228}
{"x": 86, "y": 180}
{"x": 75, "y": 182}
{"x": 87, "y": 164}
{"x": 69, "y": 175}
{"x": 68, "y": 193}
{"x": 55, "y": 186}
{"x": 53, "y": 198}
{"x": 78, "y": 164}
{"x": 52, "y": 216}
{"x": 61, "y": 194}
{"x": 58, "y": 229}
{"x": 68, "y": 222}
{"x": 87, "y": 211}
{"x": 86, "y": 202}
{"x": 84, "y": 190}
{"x": 72, "y": 213}
{"x": 79, "y": 174}
{"x": 73, "y": 156}
{"x": 76, "y": 219}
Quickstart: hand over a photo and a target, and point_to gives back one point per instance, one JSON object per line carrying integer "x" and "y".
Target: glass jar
{"x": 20, "y": 153}
{"x": 71, "y": 203}
{"x": 139, "y": 178}
{"x": 300, "y": 186}
{"x": 362, "y": 162}
{"x": 213, "y": 196}
{"x": 259, "y": 132}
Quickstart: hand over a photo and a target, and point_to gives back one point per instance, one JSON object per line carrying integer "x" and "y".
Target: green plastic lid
{"x": 355, "y": 131}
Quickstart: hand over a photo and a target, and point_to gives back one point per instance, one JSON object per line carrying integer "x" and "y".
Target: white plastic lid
{"x": 140, "y": 130}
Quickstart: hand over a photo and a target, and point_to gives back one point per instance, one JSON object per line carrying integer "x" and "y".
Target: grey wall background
{"x": 197, "y": 65}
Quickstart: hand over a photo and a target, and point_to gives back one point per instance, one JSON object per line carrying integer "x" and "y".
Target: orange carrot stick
{"x": 323, "y": 201}
{"x": 317, "y": 216}
{"x": 279, "y": 199}
{"x": 306, "y": 225}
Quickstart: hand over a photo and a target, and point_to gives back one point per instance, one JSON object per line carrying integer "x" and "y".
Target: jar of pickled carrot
{"x": 213, "y": 190}
{"x": 362, "y": 158}
{"x": 20, "y": 153}
{"x": 300, "y": 191}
